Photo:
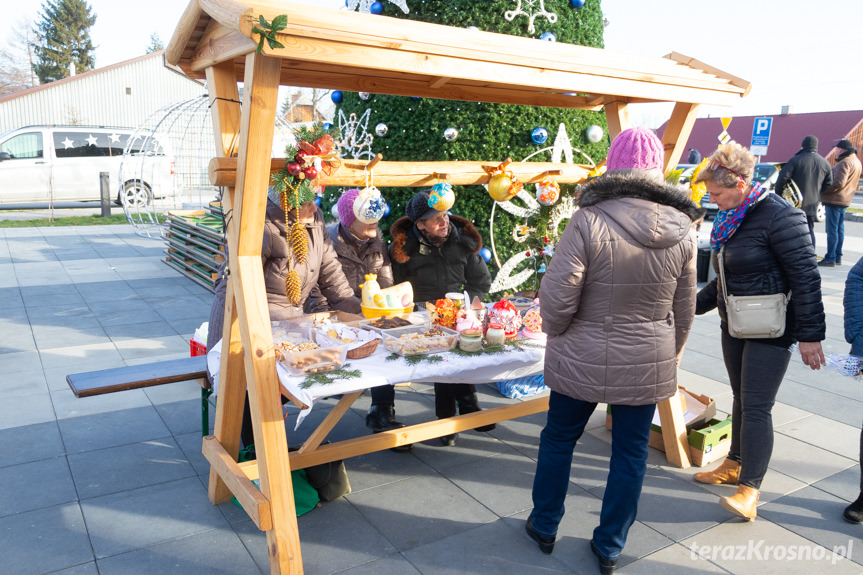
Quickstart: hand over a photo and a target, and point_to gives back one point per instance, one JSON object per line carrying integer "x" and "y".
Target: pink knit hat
{"x": 635, "y": 148}
{"x": 346, "y": 207}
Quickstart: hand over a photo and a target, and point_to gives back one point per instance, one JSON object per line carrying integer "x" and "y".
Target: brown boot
{"x": 743, "y": 502}
{"x": 728, "y": 473}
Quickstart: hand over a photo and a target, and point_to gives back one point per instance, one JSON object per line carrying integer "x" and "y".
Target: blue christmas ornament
{"x": 378, "y": 8}
{"x": 336, "y": 97}
{"x": 539, "y": 135}
{"x": 318, "y": 201}
{"x": 541, "y": 269}
{"x": 576, "y": 3}
{"x": 548, "y": 37}
{"x": 416, "y": 98}
{"x": 386, "y": 210}
{"x": 327, "y": 126}
{"x": 485, "y": 253}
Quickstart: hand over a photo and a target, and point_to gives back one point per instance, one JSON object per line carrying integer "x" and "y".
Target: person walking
{"x": 766, "y": 249}
{"x": 812, "y": 175}
{"x": 617, "y": 303}
{"x": 837, "y": 198}
{"x": 853, "y": 306}
{"x": 438, "y": 253}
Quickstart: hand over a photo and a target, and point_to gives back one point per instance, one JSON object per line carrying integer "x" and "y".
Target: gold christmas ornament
{"x": 299, "y": 243}
{"x": 292, "y": 287}
{"x": 502, "y": 185}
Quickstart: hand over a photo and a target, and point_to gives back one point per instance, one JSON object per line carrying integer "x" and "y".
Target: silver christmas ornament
{"x": 364, "y": 95}
{"x": 450, "y": 134}
{"x": 381, "y": 129}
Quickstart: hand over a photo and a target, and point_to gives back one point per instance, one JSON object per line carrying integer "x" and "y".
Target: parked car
{"x": 62, "y": 163}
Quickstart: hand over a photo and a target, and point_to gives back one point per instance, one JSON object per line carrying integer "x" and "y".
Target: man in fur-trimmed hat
{"x": 439, "y": 253}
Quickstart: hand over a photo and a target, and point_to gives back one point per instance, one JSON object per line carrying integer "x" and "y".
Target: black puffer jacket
{"x": 811, "y": 173}
{"x": 771, "y": 253}
{"x": 433, "y": 271}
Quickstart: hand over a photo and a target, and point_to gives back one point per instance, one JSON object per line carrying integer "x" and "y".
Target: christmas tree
{"x": 425, "y": 129}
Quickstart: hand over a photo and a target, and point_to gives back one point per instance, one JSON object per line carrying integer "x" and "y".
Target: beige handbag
{"x": 753, "y": 316}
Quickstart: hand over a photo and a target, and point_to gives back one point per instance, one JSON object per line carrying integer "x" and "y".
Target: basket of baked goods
{"x": 419, "y": 339}
{"x": 360, "y": 342}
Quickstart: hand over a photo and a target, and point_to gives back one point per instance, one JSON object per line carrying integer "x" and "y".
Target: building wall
{"x": 122, "y": 95}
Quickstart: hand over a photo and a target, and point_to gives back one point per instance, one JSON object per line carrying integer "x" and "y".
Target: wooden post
{"x": 617, "y": 117}
{"x": 260, "y": 99}
{"x": 222, "y": 86}
{"x": 677, "y": 132}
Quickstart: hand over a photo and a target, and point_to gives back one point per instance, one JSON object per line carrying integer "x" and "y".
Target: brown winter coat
{"x": 846, "y": 179}
{"x": 618, "y": 299}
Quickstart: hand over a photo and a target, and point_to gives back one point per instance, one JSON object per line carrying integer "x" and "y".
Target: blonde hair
{"x": 728, "y": 164}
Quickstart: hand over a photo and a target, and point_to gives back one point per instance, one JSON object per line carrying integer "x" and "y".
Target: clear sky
{"x": 795, "y": 52}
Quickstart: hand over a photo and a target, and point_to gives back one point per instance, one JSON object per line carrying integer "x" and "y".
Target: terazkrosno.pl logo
{"x": 760, "y": 550}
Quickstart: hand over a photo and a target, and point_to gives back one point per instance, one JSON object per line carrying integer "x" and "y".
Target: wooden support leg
{"x": 617, "y": 117}
{"x": 677, "y": 132}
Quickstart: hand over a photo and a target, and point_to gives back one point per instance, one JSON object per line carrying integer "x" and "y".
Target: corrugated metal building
{"x": 120, "y": 95}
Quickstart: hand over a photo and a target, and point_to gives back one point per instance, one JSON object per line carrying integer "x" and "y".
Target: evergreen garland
{"x": 486, "y": 132}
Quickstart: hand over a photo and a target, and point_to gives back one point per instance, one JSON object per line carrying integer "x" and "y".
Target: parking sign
{"x": 760, "y": 136}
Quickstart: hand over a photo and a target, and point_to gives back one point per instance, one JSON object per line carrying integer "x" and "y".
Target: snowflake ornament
{"x": 366, "y": 5}
{"x": 529, "y": 8}
{"x": 356, "y": 141}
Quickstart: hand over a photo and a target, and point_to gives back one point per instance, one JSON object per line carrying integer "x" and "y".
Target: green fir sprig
{"x": 327, "y": 377}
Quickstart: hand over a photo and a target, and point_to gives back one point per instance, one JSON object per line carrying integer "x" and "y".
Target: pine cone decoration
{"x": 292, "y": 287}
{"x": 299, "y": 243}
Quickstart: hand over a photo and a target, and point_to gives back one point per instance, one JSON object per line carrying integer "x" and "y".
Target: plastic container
{"x": 419, "y": 340}
{"x": 312, "y": 360}
{"x": 196, "y": 348}
{"x": 411, "y": 318}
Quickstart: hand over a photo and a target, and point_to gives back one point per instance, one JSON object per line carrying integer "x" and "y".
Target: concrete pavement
{"x": 116, "y": 484}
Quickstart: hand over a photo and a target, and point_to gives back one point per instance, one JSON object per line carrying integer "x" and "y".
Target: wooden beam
{"x": 220, "y": 44}
{"x": 260, "y": 98}
{"x": 674, "y": 436}
{"x": 693, "y": 63}
{"x": 677, "y": 132}
{"x": 183, "y": 33}
{"x": 320, "y": 433}
{"x": 416, "y": 174}
{"x": 251, "y": 499}
{"x": 225, "y": 113}
{"x": 617, "y": 117}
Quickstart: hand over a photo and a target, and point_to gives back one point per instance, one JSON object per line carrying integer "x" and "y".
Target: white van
{"x": 62, "y": 163}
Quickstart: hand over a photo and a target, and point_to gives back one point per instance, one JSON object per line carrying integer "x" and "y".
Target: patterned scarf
{"x": 727, "y": 221}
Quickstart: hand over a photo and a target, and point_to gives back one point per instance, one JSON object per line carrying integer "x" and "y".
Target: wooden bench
{"x": 92, "y": 383}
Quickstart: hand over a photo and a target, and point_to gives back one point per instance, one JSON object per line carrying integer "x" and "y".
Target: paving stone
{"x": 829, "y": 435}
{"x": 112, "y": 429}
{"x": 30, "y": 443}
{"x": 35, "y": 485}
{"x": 67, "y": 406}
{"x": 44, "y": 541}
{"x": 845, "y": 484}
{"x": 804, "y": 461}
{"x": 23, "y": 410}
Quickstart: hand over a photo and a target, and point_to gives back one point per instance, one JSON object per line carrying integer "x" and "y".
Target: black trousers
{"x": 756, "y": 370}
{"x": 811, "y": 221}
{"x": 446, "y": 395}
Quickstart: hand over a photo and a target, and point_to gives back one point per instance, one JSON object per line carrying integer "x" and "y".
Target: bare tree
{"x": 16, "y": 60}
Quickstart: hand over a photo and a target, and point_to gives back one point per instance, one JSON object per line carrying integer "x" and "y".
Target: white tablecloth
{"x": 377, "y": 370}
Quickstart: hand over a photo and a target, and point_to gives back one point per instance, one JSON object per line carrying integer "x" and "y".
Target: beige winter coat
{"x": 618, "y": 299}
{"x": 846, "y": 179}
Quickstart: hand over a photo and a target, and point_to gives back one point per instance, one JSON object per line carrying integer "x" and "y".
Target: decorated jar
{"x": 495, "y": 335}
{"x": 532, "y": 322}
{"x": 470, "y": 340}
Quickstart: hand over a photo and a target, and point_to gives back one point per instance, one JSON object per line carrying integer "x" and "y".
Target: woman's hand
{"x": 812, "y": 354}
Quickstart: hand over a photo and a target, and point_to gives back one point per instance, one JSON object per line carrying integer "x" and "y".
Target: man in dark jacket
{"x": 439, "y": 253}
{"x": 812, "y": 175}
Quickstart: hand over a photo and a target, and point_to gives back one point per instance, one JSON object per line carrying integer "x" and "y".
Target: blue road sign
{"x": 761, "y": 131}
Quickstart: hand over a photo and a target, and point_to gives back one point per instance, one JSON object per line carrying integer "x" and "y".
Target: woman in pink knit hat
{"x": 617, "y": 303}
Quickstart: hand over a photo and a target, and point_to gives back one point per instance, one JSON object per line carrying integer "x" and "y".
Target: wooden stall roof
{"x": 342, "y": 50}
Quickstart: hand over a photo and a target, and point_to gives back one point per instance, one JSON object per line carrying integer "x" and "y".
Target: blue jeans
{"x": 630, "y": 432}
{"x": 835, "y": 225}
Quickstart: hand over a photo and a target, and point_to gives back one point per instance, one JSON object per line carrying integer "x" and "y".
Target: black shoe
{"x": 546, "y": 544}
{"x": 827, "y": 264}
{"x": 854, "y": 512}
{"x": 606, "y": 566}
{"x": 448, "y": 440}
{"x": 382, "y": 418}
{"x": 469, "y": 404}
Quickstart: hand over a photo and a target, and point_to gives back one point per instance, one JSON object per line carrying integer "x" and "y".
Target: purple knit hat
{"x": 345, "y": 206}
{"x": 635, "y": 148}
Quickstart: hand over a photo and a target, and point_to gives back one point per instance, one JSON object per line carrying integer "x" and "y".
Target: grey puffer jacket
{"x": 618, "y": 299}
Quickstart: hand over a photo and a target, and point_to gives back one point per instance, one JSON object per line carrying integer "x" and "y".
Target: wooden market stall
{"x": 343, "y": 50}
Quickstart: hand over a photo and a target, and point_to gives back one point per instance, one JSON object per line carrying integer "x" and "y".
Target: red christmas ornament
{"x": 311, "y": 173}
{"x": 294, "y": 169}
